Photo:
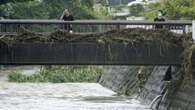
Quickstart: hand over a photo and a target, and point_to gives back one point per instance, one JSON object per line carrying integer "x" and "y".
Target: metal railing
{"x": 12, "y": 27}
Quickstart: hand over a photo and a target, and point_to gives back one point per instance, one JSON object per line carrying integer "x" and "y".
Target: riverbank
{"x": 57, "y": 74}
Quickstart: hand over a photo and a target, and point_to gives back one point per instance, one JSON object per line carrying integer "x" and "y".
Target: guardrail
{"x": 12, "y": 27}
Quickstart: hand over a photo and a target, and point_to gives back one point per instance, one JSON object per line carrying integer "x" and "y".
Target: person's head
{"x": 160, "y": 13}
{"x": 66, "y": 12}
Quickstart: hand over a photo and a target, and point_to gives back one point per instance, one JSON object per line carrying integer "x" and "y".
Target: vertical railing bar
{"x": 193, "y": 30}
{"x": 184, "y": 29}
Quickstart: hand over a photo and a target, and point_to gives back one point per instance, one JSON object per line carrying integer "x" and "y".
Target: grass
{"x": 60, "y": 74}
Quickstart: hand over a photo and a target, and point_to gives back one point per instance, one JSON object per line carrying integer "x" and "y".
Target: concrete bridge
{"x": 88, "y": 53}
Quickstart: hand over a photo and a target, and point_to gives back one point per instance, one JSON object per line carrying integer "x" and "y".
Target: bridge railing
{"x": 12, "y": 27}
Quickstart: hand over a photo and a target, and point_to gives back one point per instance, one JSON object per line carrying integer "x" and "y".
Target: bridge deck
{"x": 90, "y": 53}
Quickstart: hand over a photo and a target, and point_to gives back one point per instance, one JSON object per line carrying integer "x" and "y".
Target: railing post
{"x": 193, "y": 30}
{"x": 184, "y": 29}
{"x": 118, "y": 27}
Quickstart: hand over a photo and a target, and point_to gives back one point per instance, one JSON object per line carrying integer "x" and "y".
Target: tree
{"x": 48, "y": 9}
{"x": 136, "y": 9}
{"x": 151, "y": 10}
{"x": 175, "y": 9}
{"x": 4, "y": 8}
{"x": 27, "y": 10}
{"x": 79, "y": 10}
{"x": 12, "y": 1}
{"x": 183, "y": 9}
{"x": 88, "y": 3}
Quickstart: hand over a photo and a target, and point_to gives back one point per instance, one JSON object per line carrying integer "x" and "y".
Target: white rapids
{"x": 63, "y": 96}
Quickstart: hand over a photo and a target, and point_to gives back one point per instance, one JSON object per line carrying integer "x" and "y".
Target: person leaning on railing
{"x": 159, "y": 18}
{"x": 2, "y": 27}
{"x": 66, "y": 16}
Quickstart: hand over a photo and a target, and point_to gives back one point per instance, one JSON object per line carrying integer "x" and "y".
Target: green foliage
{"x": 88, "y": 3}
{"x": 49, "y": 9}
{"x": 175, "y": 9}
{"x": 183, "y": 9}
{"x": 12, "y": 1}
{"x": 60, "y": 74}
{"x": 28, "y": 10}
{"x": 17, "y": 76}
{"x": 117, "y": 8}
{"x": 101, "y": 11}
{"x": 152, "y": 10}
{"x": 135, "y": 10}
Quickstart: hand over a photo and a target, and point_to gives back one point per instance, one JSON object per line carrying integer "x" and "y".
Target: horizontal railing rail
{"x": 14, "y": 26}
{"x": 122, "y": 22}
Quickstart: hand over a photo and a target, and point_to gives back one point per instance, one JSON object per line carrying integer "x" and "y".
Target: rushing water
{"x": 63, "y": 96}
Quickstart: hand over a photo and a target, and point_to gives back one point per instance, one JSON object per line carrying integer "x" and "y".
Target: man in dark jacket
{"x": 159, "y": 18}
{"x": 66, "y": 16}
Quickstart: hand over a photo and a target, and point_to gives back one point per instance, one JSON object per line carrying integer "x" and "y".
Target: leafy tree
{"x": 183, "y": 9}
{"x": 175, "y": 9}
{"x": 76, "y": 7}
{"x": 12, "y": 1}
{"x": 88, "y": 3}
{"x": 4, "y": 8}
{"x": 136, "y": 9}
{"x": 49, "y": 9}
{"x": 27, "y": 10}
{"x": 151, "y": 11}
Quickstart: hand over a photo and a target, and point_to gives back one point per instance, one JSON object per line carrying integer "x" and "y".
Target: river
{"x": 63, "y": 96}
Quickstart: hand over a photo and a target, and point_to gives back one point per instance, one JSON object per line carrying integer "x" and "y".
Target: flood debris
{"x": 136, "y": 35}
{"x": 131, "y": 36}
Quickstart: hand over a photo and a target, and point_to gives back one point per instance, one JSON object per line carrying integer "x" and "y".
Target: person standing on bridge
{"x": 2, "y": 26}
{"x": 66, "y": 16}
{"x": 159, "y": 18}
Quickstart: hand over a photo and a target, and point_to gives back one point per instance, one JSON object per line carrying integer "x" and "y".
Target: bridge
{"x": 87, "y": 53}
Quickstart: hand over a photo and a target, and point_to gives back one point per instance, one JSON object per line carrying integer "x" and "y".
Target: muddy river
{"x": 63, "y": 96}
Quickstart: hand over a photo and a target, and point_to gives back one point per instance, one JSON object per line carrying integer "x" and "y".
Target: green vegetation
{"x": 12, "y": 1}
{"x": 136, "y": 10}
{"x": 152, "y": 10}
{"x": 60, "y": 74}
{"x": 101, "y": 11}
{"x": 48, "y": 9}
{"x": 174, "y": 9}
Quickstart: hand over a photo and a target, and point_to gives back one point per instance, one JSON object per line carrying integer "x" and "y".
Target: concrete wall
{"x": 154, "y": 84}
{"x": 184, "y": 99}
{"x": 119, "y": 77}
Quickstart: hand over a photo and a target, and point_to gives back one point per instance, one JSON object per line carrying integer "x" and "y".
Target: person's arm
{"x": 61, "y": 18}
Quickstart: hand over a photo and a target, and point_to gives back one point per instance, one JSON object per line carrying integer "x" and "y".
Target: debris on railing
{"x": 127, "y": 36}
